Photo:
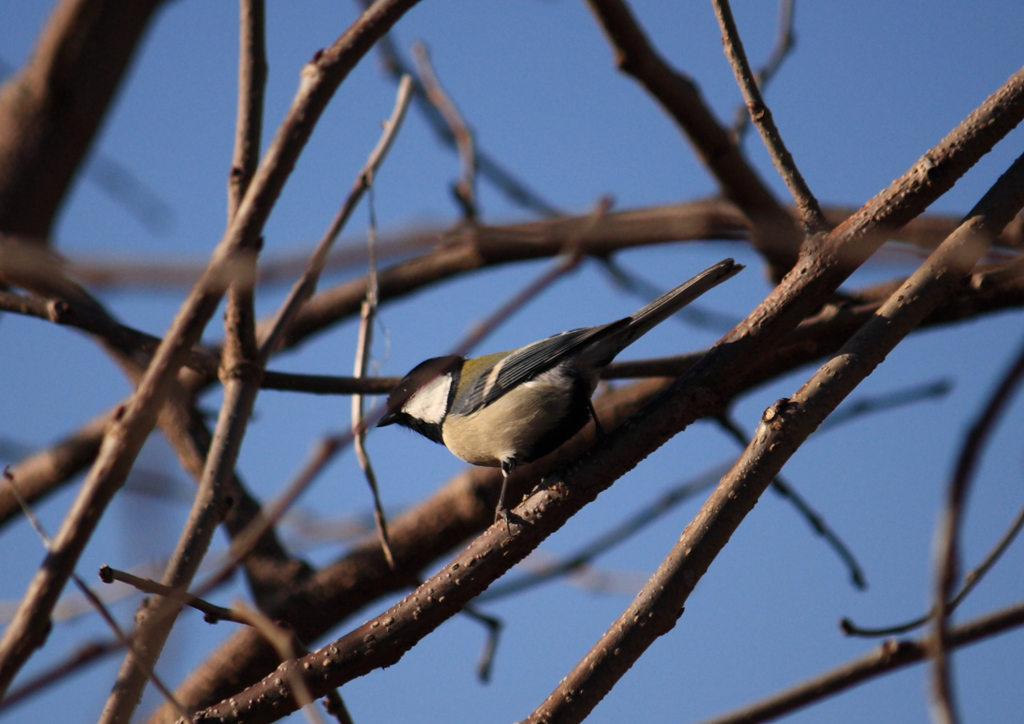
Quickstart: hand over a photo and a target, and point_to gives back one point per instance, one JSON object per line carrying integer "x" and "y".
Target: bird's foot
{"x": 501, "y": 514}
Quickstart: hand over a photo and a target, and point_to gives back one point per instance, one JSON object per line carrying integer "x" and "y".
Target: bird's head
{"x": 423, "y": 397}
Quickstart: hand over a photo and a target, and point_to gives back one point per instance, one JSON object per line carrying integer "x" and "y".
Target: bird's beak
{"x": 389, "y": 419}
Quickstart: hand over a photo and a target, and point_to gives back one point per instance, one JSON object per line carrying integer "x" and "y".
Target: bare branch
{"x": 713, "y": 219}
{"x": 129, "y": 430}
{"x": 785, "y": 42}
{"x": 213, "y": 613}
{"x": 890, "y": 656}
{"x": 807, "y": 206}
{"x": 972, "y": 579}
{"x": 784, "y": 426}
{"x": 51, "y": 110}
{"x": 465, "y": 189}
{"x": 776, "y": 237}
{"x": 516, "y": 191}
{"x": 241, "y": 374}
{"x": 466, "y": 505}
{"x": 948, "y": 534}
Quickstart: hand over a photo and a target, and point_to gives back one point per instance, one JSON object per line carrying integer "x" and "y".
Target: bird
{"x": 510, "y": 408}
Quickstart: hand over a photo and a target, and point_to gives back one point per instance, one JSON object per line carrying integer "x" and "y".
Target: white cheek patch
{"x": 431, "y": 401}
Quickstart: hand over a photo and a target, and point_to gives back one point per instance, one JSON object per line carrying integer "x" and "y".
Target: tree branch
{"x": 807, "y": 206}
{"x": 775, "y": 237}
{"x": 126, "y": 434}
{"x": 890, "y": 656}
{"x": 51, "y": 110}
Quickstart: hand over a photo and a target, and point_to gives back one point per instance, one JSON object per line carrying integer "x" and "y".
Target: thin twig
{"x": 328, "y": 446}
{"x": 810, "y": 213}
{"x": 306, "y": 285}
{"x": 329, "y": 384}
{"x": 363, "y": 348}
{"x": 948, "y": 534}
{"x": 776, "y": 236}
{"x": 972, "y": 579}
{"x": 213, "y": 613}
{"x": 516, "y": 191}
{"x": 465, "y": 189}
{"x": 494, "y": 625}
{"x": 785, "y": 42}
{"x": 889, "y": 656}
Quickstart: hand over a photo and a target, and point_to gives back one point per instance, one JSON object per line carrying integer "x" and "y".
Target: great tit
{"x": 517, "y": 406}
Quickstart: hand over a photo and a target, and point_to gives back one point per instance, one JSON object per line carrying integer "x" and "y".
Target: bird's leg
{"x": 501, "y": 512}
{"x": 593, "y": 415}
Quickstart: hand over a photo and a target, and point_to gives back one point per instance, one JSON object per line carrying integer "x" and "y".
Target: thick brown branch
{"x": 50, "y": 111}
{"x": 709, "y": 219}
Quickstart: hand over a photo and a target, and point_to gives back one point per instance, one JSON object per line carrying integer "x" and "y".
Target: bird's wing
{"x": 526, "y": 363}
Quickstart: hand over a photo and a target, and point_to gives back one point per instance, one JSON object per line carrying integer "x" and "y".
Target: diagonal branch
{"x": 702, "y": 390}
{"x": 503, "y": 180}
{"x": 465, "y": 506}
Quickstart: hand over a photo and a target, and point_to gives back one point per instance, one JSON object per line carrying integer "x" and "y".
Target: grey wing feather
{"x": 533, "y": 359}
{"x": 597, "y": 345}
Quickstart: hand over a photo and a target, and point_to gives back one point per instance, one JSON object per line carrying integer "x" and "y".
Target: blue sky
{"x": 870, "y": 87}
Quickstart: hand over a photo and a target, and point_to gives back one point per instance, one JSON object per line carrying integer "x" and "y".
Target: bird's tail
{"x": 672, "y": 301}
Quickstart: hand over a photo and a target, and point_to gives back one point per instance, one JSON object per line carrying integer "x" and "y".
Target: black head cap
{"x": 420, "y": 375}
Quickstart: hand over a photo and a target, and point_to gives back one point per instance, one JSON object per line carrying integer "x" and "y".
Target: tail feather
{"x": 672, "y": 301}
